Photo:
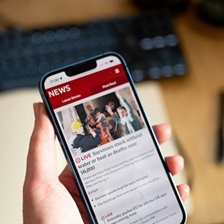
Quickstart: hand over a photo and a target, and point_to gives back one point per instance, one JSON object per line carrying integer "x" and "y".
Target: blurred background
{"x": 175, "y": 51}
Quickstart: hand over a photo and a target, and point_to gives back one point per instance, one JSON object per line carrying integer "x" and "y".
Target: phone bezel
{"x": 62, "y": 141}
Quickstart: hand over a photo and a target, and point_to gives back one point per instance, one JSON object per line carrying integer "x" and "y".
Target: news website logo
{"x": 58, "y": 91}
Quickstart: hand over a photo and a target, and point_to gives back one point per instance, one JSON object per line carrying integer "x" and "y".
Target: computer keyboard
{"x": 147, "y": 42}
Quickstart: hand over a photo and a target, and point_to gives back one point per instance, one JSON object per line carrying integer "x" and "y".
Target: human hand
{"x": 48, "y": 198}
{"x": 109, "y": 109}
{"x": 92, "y": 131}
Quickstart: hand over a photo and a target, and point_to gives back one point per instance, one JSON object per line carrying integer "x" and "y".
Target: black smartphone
{"x": 119, "y": 168}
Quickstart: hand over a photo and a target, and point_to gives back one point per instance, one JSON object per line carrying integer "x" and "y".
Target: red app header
{"x": 89, "y": 85}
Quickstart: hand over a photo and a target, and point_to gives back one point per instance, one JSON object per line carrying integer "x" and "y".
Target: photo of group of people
{"x": 100, "y": 121}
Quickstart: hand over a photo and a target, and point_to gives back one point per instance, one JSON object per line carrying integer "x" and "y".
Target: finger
{"x": 184, "y": 191}
{"x": 68, "y": 181}
{"x": 41, "y": 159}
{"x": 162, "y": 132}
{"x": 175, "y": 164}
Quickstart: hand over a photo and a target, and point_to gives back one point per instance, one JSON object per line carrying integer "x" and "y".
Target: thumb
{"x": 41, "y": 159}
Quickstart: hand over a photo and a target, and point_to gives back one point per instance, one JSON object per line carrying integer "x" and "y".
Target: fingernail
{"x": 36, "y": 109}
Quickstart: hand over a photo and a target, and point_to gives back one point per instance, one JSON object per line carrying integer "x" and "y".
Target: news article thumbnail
{"x": 100, "y": 121}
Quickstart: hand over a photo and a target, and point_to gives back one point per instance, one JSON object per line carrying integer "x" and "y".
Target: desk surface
{"x": 192, "y": 101}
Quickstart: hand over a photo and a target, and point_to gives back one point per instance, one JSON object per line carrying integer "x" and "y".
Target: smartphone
{"x": 120, "y": 170}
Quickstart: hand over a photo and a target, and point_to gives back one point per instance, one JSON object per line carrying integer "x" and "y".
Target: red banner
{"x": 81, "y": 88}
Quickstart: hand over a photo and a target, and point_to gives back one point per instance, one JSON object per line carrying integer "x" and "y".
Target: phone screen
{"x": 110, "y": 145}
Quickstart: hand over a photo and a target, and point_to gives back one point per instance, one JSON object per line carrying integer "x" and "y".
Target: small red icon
{"x": 77, "y": 160}
{"x": 106, "y": 216}
{"x": 103, "y": 218}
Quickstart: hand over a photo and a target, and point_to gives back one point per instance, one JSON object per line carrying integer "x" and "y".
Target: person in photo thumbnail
{"x": 100, "y": 117}
{"x": 126, "y": 116}
{"x": 116, "y": 130}
{"x": 80, "y": 142}
{"x": 97, "y": 127}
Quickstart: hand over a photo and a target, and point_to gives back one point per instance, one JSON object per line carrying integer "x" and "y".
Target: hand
{"x": 108, "y": 109}
{"x": 48, "y": 198}
{"x": 92, "y": 132}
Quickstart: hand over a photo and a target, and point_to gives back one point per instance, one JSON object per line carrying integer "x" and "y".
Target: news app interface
{"x": 111, "y": 146}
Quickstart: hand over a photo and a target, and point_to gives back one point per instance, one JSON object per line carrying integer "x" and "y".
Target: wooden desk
{"x": 193, "y": 107}
{"x": 192, "y": 101}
